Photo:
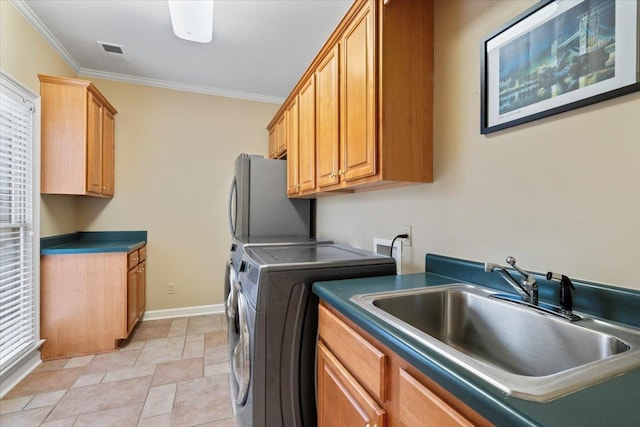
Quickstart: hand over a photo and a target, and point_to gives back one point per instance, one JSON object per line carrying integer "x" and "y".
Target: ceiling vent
{"x": 112, "y": 50}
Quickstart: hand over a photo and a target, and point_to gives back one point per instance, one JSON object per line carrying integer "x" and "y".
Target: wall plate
{"x": 383, "y": 247}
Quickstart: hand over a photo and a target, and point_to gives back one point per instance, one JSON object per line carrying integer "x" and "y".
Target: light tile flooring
{"x": 172, "y": 372}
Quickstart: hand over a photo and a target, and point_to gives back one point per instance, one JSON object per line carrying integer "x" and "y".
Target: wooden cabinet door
{"x": 281, "y": 135}
{"x": 293, "y": 183}
{"x": 419, "y": 406}
{"x": 108, "y": 153}
{"x": 272, "y": 143}
{"x": 327, "y": 120}
{"x": 94, "y": 144}
{"x": 341, "y": 400}
{"x": 132, "y": 299}
{"x": 142, "y": 291}
{"x": 357, "y": 97}
{"x": 307, "y": 136}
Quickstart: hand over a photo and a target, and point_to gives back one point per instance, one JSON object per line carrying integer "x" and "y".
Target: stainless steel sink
{"x": 523, "y": 352}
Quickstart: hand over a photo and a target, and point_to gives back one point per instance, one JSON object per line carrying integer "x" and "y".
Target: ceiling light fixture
{"x": 192, "y": 19}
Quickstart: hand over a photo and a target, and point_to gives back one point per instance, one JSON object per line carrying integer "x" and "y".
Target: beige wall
{"x": 561, "y": 193}
{"x": 24, "y": 54}
{"x": 174, "y": 163}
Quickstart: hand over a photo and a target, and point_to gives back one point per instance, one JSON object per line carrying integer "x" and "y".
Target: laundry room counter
{"x": 611, "y": 402}
{"x": 93, "y": 242}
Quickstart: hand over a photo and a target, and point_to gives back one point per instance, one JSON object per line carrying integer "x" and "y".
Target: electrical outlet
{"x": 171, "y": 288}
{"x": 406, "y": 229}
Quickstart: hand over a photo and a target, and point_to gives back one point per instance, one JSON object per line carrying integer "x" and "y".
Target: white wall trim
{"x": 26, "y": 366}
{"x": 184, "y": 87}
{"x": 170, "y": 313}
{"x": 39, "y": 26}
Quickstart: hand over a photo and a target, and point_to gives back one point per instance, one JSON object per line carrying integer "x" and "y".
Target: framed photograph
{"x": 557, "y": 56}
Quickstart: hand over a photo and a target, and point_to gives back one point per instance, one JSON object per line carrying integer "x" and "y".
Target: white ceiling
{"x": 260, "y": 48}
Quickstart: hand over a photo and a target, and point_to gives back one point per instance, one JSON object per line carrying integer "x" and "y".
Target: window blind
{"x": 18, "y": 309}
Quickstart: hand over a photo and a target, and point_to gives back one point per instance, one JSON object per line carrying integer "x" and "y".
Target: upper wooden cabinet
{"x": 78, "y": 138}
{"x": 301, "y": 125}
{"x": 357, "y": 104}
{"x": 374, "y": 99}
{"x": 292, "y": 114}
{"x": 278, "y": 138}
{"x": 327, "y": 146}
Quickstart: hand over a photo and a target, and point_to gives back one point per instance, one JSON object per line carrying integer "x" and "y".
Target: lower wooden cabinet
{"x": 132, "y": 299}
{"x": 360, "y": 382}
{"x": 90, "y": 301}
{"x": 342, "y": 401}
{"x": 142, "y": 288}
{"x": 136, "y": 284}
{"x": 419, "y": 406}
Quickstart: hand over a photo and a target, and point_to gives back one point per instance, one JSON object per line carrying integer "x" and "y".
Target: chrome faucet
{"x": 527, "y": 287}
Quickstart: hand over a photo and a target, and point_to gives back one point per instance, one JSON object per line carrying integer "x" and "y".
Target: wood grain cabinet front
{"x": 361, "y": 382}
{"x": 374, "y": 99}
{"x": 136, "y": 287}
{"x": 89, "y": 302}
{"x": 301, "y": 124}
{"x": 292, "y": 121}
{"x": 78, "y": 138}
{"x": 342, "y": 401}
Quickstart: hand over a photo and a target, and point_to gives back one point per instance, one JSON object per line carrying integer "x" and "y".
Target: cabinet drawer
{"x": 419, "y": 406}
{"x": 133, "y": 259}
{"x": 342, "y": 401}
{"x": 361, "y": 358}
{"x": 142, "y": 253}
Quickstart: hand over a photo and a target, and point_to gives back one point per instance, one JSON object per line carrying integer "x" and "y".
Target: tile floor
{"x": 172, "y": 372}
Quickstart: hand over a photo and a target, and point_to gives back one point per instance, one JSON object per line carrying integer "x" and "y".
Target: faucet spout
{"x": 527, "y": 287}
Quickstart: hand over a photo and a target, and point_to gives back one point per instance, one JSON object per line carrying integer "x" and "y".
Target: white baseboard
{"x": 170, "y": 313}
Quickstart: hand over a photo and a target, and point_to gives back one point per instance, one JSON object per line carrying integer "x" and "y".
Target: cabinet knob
{"x": 333, "y": 175}
{"x": 341, "y": 172}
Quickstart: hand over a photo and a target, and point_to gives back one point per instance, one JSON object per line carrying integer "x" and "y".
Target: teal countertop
{"x": 612, "y": 402}
{"x": 93, "y": 242}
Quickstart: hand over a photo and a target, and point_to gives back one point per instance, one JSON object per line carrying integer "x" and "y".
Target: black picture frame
{"x": 558, "y": 56}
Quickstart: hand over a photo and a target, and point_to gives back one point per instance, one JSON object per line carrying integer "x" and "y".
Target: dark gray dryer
{"x": 273, "y": 361}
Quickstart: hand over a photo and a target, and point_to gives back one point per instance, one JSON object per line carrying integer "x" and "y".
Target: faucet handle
{"x": 566, "y": 300}
{"x": 527, "y": 277}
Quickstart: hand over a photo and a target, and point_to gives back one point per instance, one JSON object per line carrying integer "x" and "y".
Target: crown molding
{"x": 165, "y": 84}
{"x": 37, "y": 24}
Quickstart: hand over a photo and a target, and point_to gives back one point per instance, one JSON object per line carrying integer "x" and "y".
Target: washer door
{"x": 241, "y": 357}
{"x": 231, "y": 305}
